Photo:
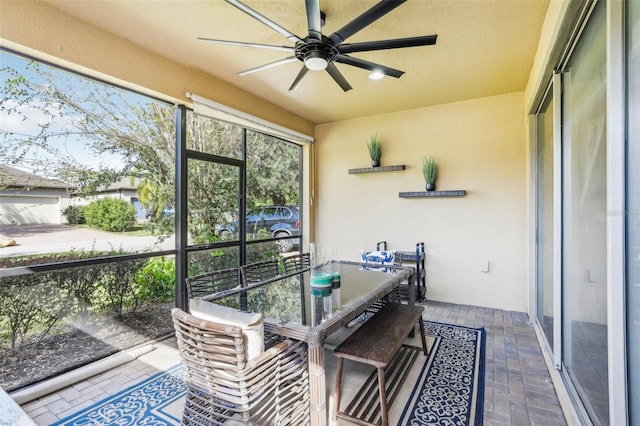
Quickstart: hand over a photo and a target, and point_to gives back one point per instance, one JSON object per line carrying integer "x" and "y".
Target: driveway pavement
{"x": 33, "y": 239}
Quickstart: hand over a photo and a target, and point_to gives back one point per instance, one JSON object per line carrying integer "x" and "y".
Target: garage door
{"x": 29, "y": 210}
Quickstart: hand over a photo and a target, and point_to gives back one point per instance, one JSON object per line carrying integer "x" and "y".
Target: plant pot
{"x": 375, "y": 163}
{"x": 431, "y": 186}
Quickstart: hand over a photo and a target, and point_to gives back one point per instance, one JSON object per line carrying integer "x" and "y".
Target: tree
{"x": 65, "y": 114}
{"x": 272, "y": 170}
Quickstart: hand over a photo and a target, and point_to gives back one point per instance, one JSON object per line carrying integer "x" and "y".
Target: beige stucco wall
{"x": 44, "y": 32}
{"x": 548, "y": 35}
{"x": 481, "y": 147}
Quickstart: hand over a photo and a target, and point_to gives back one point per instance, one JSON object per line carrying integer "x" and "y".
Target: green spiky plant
{"x": 375, "y": 150}
{"x": 430, "y": 172}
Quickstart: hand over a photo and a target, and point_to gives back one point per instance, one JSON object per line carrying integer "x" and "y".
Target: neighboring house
{"x": 124, "y": 189}
{"x": 26, "y": 198}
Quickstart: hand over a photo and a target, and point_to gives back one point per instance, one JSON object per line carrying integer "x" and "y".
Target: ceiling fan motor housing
{"x": 316, "y": 54}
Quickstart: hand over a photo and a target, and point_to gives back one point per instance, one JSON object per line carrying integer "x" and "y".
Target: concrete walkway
{"x": 34, "y": 239}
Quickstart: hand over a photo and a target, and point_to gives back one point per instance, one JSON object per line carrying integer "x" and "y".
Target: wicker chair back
{"x": 223, "y": 387}
{"x": 212, "y": 282}
{"x": 260, "y": 271}
{"x": 296, "y": 262}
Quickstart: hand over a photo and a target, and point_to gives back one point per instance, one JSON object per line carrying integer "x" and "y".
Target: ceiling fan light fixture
{"x": 316, "y": 63}
{"x": 319, "y": 52}
{"x": 376, "y": 75}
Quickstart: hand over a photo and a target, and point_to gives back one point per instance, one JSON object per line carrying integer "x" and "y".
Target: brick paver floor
{"x": 518, "y": 387}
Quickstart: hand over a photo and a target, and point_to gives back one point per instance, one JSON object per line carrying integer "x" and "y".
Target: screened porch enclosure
{"x": 109, "y": 270}
{"x": 547, "y": 223}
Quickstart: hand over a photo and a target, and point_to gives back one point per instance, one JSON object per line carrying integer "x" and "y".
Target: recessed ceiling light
{"x": 376, "y": 75}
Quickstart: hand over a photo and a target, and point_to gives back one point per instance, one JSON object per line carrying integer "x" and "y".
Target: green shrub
{"x": 117, "y": 292}
{"x": 30, "y": 305}
{"x": 81, "y": 283}
{"x": 164, "y": 225}
{"x": 211, "y": 260}
{"x": 74, "y": 215}
{"x": 65, "y": 256}
{"x": 156, "y": 280}
{"x": 111, "y": 215}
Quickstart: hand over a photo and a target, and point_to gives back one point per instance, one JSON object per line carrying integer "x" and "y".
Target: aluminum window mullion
{"x": 616, "y": 182}
{"x": 533, "y": 212}
{"x": 181, "y": 183}
{"x": 557, "y": 220}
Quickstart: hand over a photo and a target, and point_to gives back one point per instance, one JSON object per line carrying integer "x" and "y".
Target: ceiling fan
{"x": 319, "y": 52}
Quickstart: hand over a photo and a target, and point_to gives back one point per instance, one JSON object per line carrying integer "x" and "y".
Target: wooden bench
{"x": 375, "y": 343}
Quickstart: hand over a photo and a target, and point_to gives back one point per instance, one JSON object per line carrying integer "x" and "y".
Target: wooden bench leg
{"x": 336, "y": 393}
{"x": 424, "y": 339}
{"x": 383, "y": 397}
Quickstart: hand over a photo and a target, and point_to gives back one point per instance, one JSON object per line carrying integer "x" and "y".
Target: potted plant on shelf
{"x": 430, "y": 172}
{"x": 375, "y": 150}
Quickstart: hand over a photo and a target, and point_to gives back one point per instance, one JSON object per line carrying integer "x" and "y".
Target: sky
{"x": 31, "y": 116}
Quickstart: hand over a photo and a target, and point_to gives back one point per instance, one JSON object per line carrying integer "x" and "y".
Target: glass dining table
{"x": 290, "y": 305}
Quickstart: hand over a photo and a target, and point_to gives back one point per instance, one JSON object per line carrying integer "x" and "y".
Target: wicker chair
{"x": 212, "y": 282}
{"x": 260, "y": 271}
{"x": 224, "y": 387}
{"x": 297, "y": 262}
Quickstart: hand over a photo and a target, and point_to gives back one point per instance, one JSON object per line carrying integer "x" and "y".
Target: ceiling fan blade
{"x": 264, "y": 20}
{"x": 338, "y": 77}
{"x": 371, "y": 15}
{"x": 269, "y": 65}
{"x": 299, "y": 78}
{"x": 387, "y": 44}
{"x": 313, "y": 19}
{"x": 240, "y": 43}
{"x": 360, "y": 63}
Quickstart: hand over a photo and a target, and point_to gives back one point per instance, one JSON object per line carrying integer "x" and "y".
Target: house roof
{"x": 484, "y": 48}
{"x": 11, "y": 177}
{"x": 122, "y": 184}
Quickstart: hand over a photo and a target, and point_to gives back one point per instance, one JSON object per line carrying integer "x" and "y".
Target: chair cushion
{"x": 252, "y": 324}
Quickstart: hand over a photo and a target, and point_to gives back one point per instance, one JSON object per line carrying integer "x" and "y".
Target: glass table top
{"x": 291, "y": 299}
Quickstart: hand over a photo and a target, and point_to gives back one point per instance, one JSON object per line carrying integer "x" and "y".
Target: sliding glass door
{"x": 584, "y": 224}
{"x": 633, "y": 210}
{"x": 587, "y": 167}
{"x": 544, "y": 218}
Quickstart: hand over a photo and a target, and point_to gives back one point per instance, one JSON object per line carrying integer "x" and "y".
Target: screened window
{"x": 86, "y": 176}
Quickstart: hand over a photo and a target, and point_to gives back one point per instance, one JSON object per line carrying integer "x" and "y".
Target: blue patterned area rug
{"x": 450, "y": 388}
{"x": 146, "y": 403}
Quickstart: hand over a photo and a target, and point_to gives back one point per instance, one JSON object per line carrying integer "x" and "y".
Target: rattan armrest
{"x": 266, "y": 356}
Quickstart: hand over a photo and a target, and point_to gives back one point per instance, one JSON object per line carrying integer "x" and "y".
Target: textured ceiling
{"x": 484, "y": 48}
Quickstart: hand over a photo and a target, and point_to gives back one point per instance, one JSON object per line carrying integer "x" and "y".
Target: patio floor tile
{"x": 518, "y": 388}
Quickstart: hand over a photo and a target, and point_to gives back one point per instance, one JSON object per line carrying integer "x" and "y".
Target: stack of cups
{"x": 321, "y": 299}
{"x": 324, "y": 273}
{"x": 335, "y": 284}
